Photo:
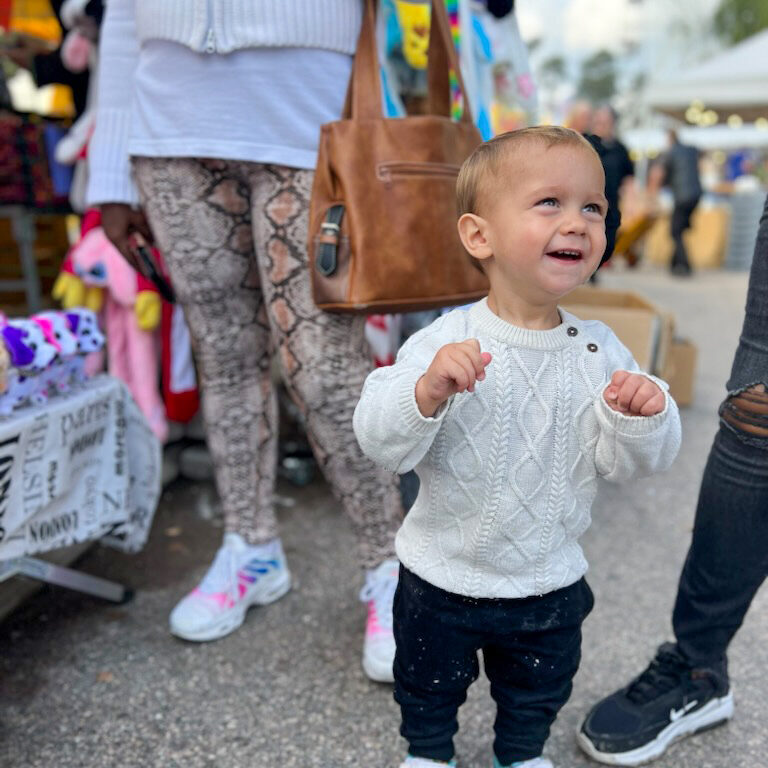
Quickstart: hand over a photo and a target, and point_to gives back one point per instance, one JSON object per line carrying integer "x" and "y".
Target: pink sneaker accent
{"x": 379, "y": 643}
{"x": 372, "y": 625}
{"x": 239, "y": 577}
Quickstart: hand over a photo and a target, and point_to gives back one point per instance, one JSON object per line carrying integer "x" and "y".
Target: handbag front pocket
{"x": 390, "y": 172}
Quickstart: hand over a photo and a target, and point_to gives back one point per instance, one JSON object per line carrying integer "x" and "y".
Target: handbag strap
{"x": 364, "y": 93}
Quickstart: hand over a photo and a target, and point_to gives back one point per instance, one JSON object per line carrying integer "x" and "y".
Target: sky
{"x": 577, "y": 28}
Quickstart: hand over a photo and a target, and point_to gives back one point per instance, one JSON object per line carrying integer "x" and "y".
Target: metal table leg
{"x": 64, "y": 577}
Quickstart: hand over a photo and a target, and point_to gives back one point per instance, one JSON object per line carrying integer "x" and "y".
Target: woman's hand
{"x": 120, "y": 221}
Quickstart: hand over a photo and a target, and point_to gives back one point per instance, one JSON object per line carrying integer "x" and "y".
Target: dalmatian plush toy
{"x": 29, "y": 355}
{"x": 84, "y": 325}
{"x": 57, "y": 377}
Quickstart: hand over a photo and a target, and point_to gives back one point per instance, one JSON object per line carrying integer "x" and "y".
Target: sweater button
{"x": 592, "y": 347}
{"x": 572, "y": 331}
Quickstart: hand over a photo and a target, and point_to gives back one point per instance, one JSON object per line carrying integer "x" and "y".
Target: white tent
{"x": 715, "y": 137}
{"x": 732, "y": 82}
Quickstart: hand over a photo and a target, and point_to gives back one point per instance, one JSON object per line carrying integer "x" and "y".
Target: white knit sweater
{"x": 508, "y": 473}
{"x": 205, "y": 26}
{"x": 222, "y": 26}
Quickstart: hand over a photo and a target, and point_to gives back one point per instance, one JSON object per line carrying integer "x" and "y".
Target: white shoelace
{"x": 380, "y": 587}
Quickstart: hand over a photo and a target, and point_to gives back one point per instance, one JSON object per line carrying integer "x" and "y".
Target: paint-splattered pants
{"x": 531, "y": 650}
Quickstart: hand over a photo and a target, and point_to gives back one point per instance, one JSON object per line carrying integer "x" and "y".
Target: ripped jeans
{"x": 728, "y": 558}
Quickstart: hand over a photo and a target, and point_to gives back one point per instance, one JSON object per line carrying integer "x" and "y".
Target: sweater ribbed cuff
{"x": 406, "y": 398}
{"x": 111, "y": 179}
{"x": 632, "y": 426}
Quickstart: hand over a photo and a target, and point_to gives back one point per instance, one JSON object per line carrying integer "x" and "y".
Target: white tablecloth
{"x": 84, "y": 466}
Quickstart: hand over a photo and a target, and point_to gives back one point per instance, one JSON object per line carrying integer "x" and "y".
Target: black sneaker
{"x": 669, "y": 701}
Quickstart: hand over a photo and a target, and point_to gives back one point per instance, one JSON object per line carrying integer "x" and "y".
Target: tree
{"x": 552, "y": 72}
{"x": 737, "y": 19}
{"x": 598, "y": 77}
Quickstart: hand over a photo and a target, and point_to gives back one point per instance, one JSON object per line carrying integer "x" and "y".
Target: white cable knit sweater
{"x": 508, "y": 473}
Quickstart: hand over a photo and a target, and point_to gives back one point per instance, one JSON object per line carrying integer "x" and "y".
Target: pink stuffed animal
{"x": 130, "y": 319}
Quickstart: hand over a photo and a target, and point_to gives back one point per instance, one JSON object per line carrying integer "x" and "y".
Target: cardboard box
{"x": 640, "y": 325}
{"x": 680, "y": 371}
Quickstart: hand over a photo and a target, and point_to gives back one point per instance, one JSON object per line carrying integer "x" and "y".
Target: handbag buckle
{"x": 326, "y": 260}
{"x": 329, "y": 228}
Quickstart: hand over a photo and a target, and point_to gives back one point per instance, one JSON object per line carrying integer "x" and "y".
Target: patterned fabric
{"x": 234, "y": 238}
{"x": 508, "y": 473}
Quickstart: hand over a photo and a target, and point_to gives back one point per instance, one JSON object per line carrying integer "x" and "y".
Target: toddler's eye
{"x": 594, "y": 208}
{"x": 547, "y": 201}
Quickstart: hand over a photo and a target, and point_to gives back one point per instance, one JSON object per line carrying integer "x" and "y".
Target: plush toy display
{"x": 29, "y": 354}
{"x": 57, "y": 376}
{"x": 81, "y": 20}
{"x": 96, "y": 275}
{"x": 90, "y": 340}
{"x": 44, "y": 355}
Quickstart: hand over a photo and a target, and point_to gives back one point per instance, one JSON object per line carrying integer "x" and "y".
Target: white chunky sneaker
{"x": 536, "y": 762}
{"x": 379, "y": 644}
{"x": 239, "y": 577}
{"x": 423, "y": 762}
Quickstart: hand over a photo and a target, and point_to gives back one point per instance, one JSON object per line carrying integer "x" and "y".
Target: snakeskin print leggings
{"x": 233, "y": 235}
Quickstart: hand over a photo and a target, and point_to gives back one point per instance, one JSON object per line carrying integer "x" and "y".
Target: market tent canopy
{"x": 732, "y": 82}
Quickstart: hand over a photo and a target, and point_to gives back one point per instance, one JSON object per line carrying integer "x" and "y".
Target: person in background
{"x": 685, "y": 689}
{"x": 579, "y": 119}
{"x": 681, "y": 174}
{"x": 206, "y": 138}
{"x": 509, "y": 411}
{"x": 616, "y": 161}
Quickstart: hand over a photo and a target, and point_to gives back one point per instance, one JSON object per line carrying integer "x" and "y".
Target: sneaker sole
{"x": 377, "y": 671}
{"x": 716, "y": 712}
{"x": 233, "y": 619}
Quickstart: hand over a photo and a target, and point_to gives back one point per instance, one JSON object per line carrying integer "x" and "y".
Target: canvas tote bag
{"x": 382, "y": 227}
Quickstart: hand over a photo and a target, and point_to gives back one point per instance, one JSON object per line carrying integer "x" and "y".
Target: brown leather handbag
{"x": 382, "y": 220}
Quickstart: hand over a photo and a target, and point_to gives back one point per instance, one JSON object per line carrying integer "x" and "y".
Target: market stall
{"x": 82, "y": 467}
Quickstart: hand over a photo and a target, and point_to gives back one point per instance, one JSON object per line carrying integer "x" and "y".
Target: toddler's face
{"x": 546, "y": 225}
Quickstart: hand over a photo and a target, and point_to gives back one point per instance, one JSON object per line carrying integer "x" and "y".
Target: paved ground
{"x": 89, "y": 685}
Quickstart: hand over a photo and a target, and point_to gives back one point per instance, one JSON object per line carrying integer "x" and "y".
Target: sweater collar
{"x": 489, "y": 322}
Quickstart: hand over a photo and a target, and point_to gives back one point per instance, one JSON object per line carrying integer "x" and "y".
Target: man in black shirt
{"x": 681, "y": 175}
{"x": 616, "y": 161}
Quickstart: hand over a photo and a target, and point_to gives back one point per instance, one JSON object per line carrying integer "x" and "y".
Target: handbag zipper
{"x": 388, "y": 172}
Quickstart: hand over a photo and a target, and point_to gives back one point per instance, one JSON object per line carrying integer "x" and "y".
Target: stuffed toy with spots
{"x": 29, "y": 355}
{"x": 57, "y": 377}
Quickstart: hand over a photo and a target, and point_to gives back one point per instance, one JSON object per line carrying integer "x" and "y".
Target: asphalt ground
{"x": 88, "y": 684}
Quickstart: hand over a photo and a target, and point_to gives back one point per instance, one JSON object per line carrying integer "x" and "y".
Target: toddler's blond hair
{"x": 491, "y": 156}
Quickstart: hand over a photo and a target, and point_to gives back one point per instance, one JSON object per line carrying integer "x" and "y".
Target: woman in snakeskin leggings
{"x": 206, "y": 136}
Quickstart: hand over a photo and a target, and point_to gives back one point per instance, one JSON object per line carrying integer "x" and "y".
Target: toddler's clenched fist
{"x": 455, "y": 368}
{"x": 633, "y": 394}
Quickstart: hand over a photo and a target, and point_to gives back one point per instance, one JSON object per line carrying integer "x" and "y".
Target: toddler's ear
{"x": 473, "y": 231}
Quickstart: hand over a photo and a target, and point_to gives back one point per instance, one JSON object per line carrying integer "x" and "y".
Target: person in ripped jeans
{"x": 685, "y": 688}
